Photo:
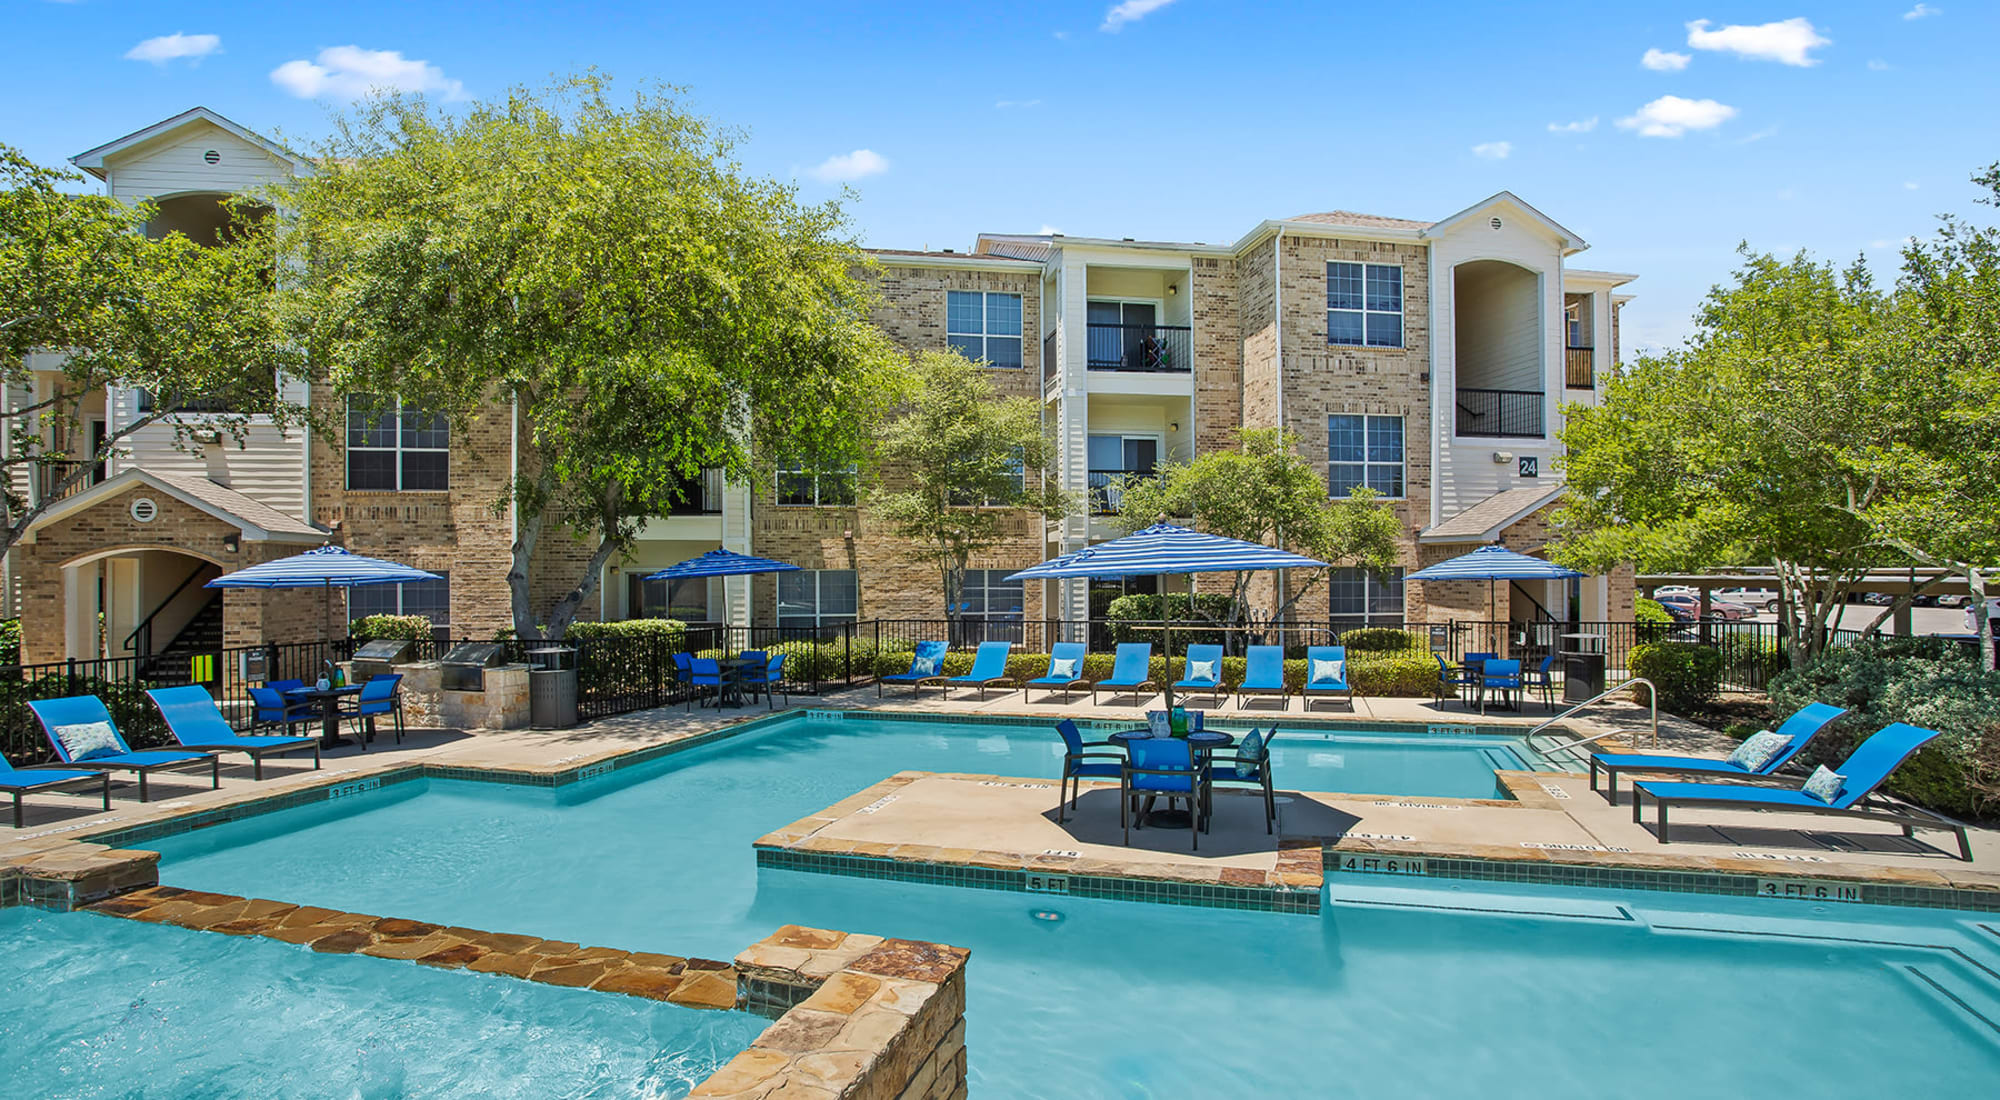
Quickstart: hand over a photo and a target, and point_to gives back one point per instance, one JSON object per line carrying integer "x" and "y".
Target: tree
{"x": 1740, "y": 447}
{"x": 106, "y": 305}
{"x": 957, "y": 461}
{"x": 1264, "y": 491}
{"x": 645, "y": 307}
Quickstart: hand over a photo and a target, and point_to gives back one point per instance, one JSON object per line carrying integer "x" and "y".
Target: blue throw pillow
{"x": 1064, "y": 669}
{"x": 1824, "y": 784}
{"x": 1250, "y": 755}
{"x": 925, "y": 666}
{"x": 1201, "y": 671}
{"x": 1758, "y": 750}
{"x": 88, "y": 740}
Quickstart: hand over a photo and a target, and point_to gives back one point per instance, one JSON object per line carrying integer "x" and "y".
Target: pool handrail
{"x": 1652, "y": 703}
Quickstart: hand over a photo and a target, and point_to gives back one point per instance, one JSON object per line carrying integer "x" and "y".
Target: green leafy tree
{"x": 606, "y": 269}
{"x": 1265, "y": 491}
{"x": 97, "y": 303}
{"x": 959, "y": 463}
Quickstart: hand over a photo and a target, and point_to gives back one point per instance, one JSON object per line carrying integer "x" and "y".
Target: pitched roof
{"x": 1362, "y": 221}
{"x": 1038, "y": 249}
{"x": 92, "y": 160}
{"x": 257, "y": 520}
{"x": 1484, "y": 521}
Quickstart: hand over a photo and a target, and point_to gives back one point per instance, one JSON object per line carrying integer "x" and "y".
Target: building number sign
{"x": 1530, "y": 466}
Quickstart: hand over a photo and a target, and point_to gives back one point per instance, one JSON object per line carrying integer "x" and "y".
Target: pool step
{"x": 1477, "y": 902}
{"x": 1965, "y": 992}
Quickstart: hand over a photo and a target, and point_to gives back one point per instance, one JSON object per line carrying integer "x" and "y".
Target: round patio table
{"x": 733, "y": 668}
{"x": 328, "y": 702}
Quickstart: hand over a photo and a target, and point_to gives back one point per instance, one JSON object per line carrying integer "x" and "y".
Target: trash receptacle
{"x": 1583, "y": 666}
{"x": 552, "y": 688}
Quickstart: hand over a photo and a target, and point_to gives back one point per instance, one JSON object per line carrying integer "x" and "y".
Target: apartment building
{"x": 1428, "y": 361}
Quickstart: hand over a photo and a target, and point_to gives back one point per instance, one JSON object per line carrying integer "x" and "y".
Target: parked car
{"x": 1953, "y": 599}
{"x": 1765, "y": 599}
{"x": 1992, "y": 616}
{"x": 1879, "y": 599}
{"x": 1673, "y": 590}
{"x": 1691, "y": 605}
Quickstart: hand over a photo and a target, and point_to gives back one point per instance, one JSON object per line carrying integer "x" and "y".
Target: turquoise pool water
{"x": 98, "y": 1006}
{"x": 1417, "y": 991}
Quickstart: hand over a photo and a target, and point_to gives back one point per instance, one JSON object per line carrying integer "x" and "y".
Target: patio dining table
{"x": 328, "y": 702}
{"x": 1202, "y": 742}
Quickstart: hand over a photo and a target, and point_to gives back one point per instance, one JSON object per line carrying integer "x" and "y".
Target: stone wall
{"x": 502, "y": 706}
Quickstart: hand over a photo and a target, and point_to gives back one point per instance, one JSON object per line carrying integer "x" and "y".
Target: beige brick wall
{"x": 1218, "y": 353}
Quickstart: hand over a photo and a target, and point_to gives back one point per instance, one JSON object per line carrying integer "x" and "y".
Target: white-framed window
{"x": 686, "y": 599}
{"x": 1364, "y": 452}
{"x": 984, "y": 326}
{"x": 801, "y": 486}
{"x": 1357, "y": 598}
{"x": 431, "y": 599}
{"x": 1364, "y": 305}
{"x": 818, "y": 597}
{"x": 395, "y": 447}
{"x": 989, "y": 595}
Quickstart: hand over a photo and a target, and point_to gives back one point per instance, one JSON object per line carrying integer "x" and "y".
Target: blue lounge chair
{"x": 926, "y": 667}
{"x": 989, "y": 668}
{"x": 770, "y": 680}
{"x": 1131, "y": 670}
{"x": 193, "y": 719}
{"x": 1210, "y": 655}
{"x": 1864, "y": 770}
{"x": 1503, "y": 677}
{"x": 378, "y": 697}
{"x": 1327, "y": 688}
{"x": 1801, "y": 727}
{"x": 1080, "y": 764}
{"x": 1054, "y": 680}
{"x": 1157, "y": 766}
{"x": 87, "y": 710}
{"x": 1263, "y": 674}
{"x": 20, "y": 781}
{"x": 1247, "y": 765}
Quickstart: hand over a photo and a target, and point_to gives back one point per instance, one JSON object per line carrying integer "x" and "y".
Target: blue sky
{"x": 1837, "y": 127}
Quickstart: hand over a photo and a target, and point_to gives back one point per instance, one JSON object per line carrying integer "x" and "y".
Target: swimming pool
{"x": 105, "y": 1007}
{"x": 1428, "y": 990}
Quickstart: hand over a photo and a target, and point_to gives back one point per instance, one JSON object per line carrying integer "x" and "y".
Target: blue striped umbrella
{"x": 1494, "y": 563}
{"x": 324, "y": 568}
{"x": 720, "y": 563}
{"x": 1165, "y": 548}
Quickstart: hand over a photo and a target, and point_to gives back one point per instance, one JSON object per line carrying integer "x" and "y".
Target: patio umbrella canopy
{"x": 1490, "y": 564}
{"x": 720, "y": 563}
{"x": 325, "y": 568}
{"x": 1164, "y": 548}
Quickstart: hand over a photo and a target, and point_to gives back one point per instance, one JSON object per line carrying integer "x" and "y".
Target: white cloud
{"x": 846, "y": 167}
{"x": 1670, "y": 116}
{"x": 1493, "y": 150}
{"x": 1922, "y": 10}
{"x": 1047, "y": 230}
{"x": 1130, "y": 11}
{"x": 1663, "y": 61}
{"x": 170, "y": 47}
{"x": 1909, "y": 185}
{"x": 1006, "y": 104}
{"x": 1788, "y": 42}
{"x": 350, "y": 72}
{"x": 1879, "y": 65}
{"x": 1580, "y": 126}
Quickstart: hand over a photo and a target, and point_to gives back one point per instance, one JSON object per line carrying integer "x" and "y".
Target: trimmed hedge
{"x": 412, "y": 628}
{"x": 1687, "y": 675}
{"x": 671, "y": 631}
{"x": 1407, "y": 673}
{"x": 1383, "y": 639}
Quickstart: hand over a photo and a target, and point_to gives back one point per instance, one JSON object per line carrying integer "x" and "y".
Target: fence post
{"x": 847, "y": 655}
{"x": 69, "y": 676}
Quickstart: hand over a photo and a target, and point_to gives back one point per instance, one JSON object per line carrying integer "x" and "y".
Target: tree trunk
{"x": 563, "y": 613}
{"x": 1975, "y": 583}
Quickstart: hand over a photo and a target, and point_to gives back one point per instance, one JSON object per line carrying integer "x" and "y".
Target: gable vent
{"x": 212, "y": 157}
{"x": 1495, "y": 223}
{"x": 145, "y": 510}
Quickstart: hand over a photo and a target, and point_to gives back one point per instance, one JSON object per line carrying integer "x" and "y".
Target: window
{"x": 1357, "y": 598}
{"x": 394, "y": 447}
{"x": 817, "y": 597}
{"x": 1364, "y": 305}
{"x": 431, "y": 599}
{"x": 1364, "y": 452}
{"x": 683, "y": 598}
{"x": 984, "y": 326}
{"x": 806, "y": 486}
{"x": 992, "y": 607}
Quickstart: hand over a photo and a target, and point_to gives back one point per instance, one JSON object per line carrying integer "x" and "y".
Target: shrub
{"x": 1132, "y": 618}
{"x": 1686, "y": 675}
{"x": 671, "y": 631}
{"x": 1408, "y": 674}
{"x": 10, "y": 641}
{"x": 1651, "y": 621}
{"x": 1382, "y": 639}
{"x": 1925, "y": 682}
{"x": 413, "y": 628}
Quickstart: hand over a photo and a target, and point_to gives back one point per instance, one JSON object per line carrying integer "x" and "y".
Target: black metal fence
{"x": 1515, "y": 414}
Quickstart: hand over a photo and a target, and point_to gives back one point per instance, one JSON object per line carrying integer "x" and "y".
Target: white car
{"x": 1764, "y": 599}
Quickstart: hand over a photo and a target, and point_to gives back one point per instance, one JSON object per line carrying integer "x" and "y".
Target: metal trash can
{"x": 552, "y": 688}
{"x": 1583, "y": 666}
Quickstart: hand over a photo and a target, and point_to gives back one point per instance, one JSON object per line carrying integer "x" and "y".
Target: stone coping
{"x": 1328, "y": 723}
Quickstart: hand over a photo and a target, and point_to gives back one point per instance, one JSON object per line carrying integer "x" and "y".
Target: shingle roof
{"x": 1364, "y": 221}
{"x": 1038, "y": 251}
{"x": 248, "y": 509}
{"x": 1483, "y": 521}
{"x": 937, "y": 254}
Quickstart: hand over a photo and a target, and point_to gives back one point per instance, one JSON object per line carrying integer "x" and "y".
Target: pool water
{"x": 99, "y": 1006}
{"x": 1430, "y": 991}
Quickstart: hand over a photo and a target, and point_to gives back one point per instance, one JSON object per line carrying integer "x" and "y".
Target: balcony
{"x": 1579, "y": 373}
{"x": 1145, "y": 348}
{"x": 49, "y": 480}
{"x": 700, "y": 496}
{"x": 1107, "y": 488}
{"x": 1508, "y": 414}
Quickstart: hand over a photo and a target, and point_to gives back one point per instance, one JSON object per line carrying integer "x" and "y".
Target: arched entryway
{"x": 142, "y": 602}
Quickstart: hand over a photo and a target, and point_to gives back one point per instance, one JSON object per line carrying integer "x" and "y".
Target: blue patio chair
{"x": 989, "y": 668}
{"x": 379, "y": 696}
{"x": 1865, "y": 768}
{"x": 1501, "y": 676}
{"x": 1332, "y": 661}
{"x": 769, "y": 678}
{"x": 1542, "y": 678}
{"x": 75, "y": 721}
{"x": 683, "y": 668}
{"x": 704, "y": 675}
{"x": 1065, "y": 672}
{"x": 192, "y": 717}
{"x": 1080, "y": 764}
{"x": 1201, "y": 658}
{"x": 1248, "y": 763}
{"x": 20, "y": 781}
{"x": 1798, "y": 730}
{"x": 1131, "y": 669}
{"x": 269, "y": 706}
{"x": 1264, "y": 674}
{"x": 1450, "y": 679}
{"x": 1156, "y": 766}
{"x": 926, "y": 667}
{"x": 282, "y": 686}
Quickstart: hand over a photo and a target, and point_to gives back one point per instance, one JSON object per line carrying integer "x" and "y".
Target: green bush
{"x": 414, "y": 628}
{"x": 1924, "y": 682}
{"x": 1686, "y": 675}
{"x": 1383, "y": 639}
{"x": 671, "y": 631}
{"x": 1409, "y": 673}
{"x": 10, "y": 641}
{"x": 1651, "y": 621}
{"x": 1134, "y": 618}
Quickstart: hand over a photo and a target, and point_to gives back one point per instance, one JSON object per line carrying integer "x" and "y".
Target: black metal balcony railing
{"x": 1579, "y": 373}
{"x": 1513, "y": 414}
{"x": 1107, "y": 488}
{"x": 1141, "y": 347}
{"x": 49, "y": 480}
{"x": 700, "y": 496}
